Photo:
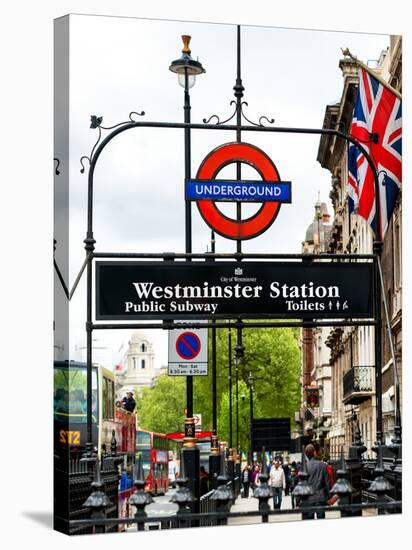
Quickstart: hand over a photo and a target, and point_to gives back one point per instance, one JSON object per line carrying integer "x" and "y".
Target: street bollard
{"x": 182, "y": 497}
{"x": 303, "y": 489}
{"x": 224, "y": 493}
{"x": 97, "y": 502}
{"x": 140, "y": 499}
{"x": 380, "y": 485}
{"x": 214, "y": 462}
{"x": 263, "y": 492}
{"x": 342, "y": 487}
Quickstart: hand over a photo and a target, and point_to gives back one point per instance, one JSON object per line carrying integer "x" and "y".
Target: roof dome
{"x": 139, "y": 336}
{"x": 310, "y": 231}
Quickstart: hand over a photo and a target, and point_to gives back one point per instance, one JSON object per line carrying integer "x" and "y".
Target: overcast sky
{"x": 289, "y": 75}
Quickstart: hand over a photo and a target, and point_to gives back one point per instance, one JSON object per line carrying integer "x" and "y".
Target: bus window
{"x": 70, "y": 383}
{"x": 108, "y": 399}
{"x": 142, "y": 439}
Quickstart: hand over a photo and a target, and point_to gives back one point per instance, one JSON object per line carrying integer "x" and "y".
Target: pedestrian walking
{"x": 254, "y": 476}
{"x": 334, "y": 498}
{"x": 277, "y": 482}
{"x": 318, "y": 478}
{"x": 286, "y": 471}
{"x": 246, "y": 480}
{"x": 330, "y": 473}
{"x": 293, "y": 480}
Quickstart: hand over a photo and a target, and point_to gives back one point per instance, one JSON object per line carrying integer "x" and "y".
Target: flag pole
{"x": 346, "y": 52}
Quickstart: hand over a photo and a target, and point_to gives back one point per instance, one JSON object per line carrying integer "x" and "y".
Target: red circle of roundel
{"x": 215, "y": 161}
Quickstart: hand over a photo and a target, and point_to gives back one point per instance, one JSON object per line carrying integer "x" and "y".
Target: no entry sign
{"x": 258, "y": 223}
{"x": 188, "y": 352}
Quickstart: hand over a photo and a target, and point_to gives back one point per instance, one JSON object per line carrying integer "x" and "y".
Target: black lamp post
{"x": 230, "y": 389}
{"x": 250, "y": 382}
{"x": 239, "y": 354}
{"x": 187, "y": 69}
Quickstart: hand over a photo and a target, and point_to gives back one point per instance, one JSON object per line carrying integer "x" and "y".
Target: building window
{"x": 143, "y": 364}
{"x": 143, "y": 348}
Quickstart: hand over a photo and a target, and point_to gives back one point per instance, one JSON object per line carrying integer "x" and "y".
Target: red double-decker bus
{"x": 153, "y": 449}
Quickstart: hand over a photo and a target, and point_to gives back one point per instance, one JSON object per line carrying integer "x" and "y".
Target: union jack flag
{"x": 377, "y": 124}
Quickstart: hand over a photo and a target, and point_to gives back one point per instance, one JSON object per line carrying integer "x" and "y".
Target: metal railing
{"x": 212, "y": 518}
{"x": 361, "y": 486}
{"x": 358, "y": 380}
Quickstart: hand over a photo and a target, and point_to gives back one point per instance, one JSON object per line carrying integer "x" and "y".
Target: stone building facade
{"x": 137, "y": 370}
{"x": 315, "y": 413}
{"x": 352, "y": 348}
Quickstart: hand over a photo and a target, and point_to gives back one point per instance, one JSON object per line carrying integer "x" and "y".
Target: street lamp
{"x": 250, "y": 382}
{"x": 187, "y": 69}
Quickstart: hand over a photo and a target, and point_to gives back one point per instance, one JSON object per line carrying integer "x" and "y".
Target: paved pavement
{"x": 162, "y": 507}
{"x": 251, "y": 503}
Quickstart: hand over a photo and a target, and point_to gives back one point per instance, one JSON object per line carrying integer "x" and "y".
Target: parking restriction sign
{"x": 188, "y": 352}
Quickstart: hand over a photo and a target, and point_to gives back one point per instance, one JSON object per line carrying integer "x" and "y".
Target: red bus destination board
{"x": 213, "y": 290}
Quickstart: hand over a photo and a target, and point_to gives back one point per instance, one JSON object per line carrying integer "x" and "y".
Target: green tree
{"x": 272, "y": 357}
{"x": 244, "y": 416}
{"x": 161, "y": 408}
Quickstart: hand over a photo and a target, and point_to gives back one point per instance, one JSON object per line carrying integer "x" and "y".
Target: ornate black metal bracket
{"x": 217, "y": 118}
{"x": 261, "y": 118}
{"x": 96, "y": 122}
{"x": 56, "y": 168}
{"x": 239, "y": 109}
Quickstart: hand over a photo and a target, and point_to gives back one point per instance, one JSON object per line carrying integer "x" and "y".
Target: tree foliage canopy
{"x": 272, "y": 357}
{"x": 161, "y": 408}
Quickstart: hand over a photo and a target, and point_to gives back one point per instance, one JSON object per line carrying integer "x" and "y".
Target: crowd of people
{"x": 284, "y": 476}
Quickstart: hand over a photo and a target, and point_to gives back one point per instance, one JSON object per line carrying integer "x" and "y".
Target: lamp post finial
{"x": 186, "y": 41}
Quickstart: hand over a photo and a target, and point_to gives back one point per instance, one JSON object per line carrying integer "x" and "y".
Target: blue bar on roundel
{"x": 239, "y": 190}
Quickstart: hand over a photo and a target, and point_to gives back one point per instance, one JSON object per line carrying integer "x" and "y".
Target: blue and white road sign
{"x": 188, "y": 345}
{"x": 239, "y": 190}
{"x": 188, "y": 352}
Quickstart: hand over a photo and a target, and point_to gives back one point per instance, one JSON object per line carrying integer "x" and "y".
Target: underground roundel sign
{"x": 253, "y": 226}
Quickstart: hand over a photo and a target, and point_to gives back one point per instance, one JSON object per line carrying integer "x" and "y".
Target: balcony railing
{"x": 357, "y": 385}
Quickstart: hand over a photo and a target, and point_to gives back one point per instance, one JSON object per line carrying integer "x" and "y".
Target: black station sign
{"x": 213, "y": 290}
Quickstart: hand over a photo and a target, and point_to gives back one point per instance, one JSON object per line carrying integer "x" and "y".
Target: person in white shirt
{"x": 277, "y": 482}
